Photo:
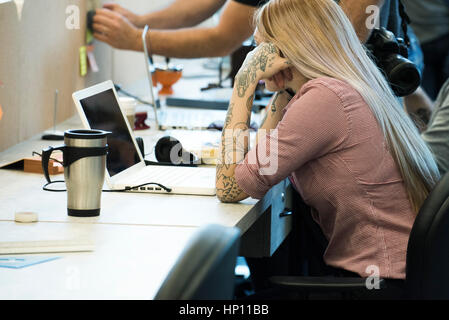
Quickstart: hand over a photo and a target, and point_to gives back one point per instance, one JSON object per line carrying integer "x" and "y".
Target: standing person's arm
{"x": 235, "y": 26}
{"x": 179, "y": 14}
{"x": 420, "y": 105}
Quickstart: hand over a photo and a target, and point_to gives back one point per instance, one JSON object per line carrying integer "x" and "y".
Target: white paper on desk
{"x": 17, "y": 262}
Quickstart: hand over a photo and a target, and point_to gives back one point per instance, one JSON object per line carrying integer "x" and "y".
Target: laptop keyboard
{"x": 190, "y": 119}
{"x": 170, "y": 176}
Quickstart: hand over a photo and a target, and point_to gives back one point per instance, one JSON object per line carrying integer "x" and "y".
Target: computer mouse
{"x": 170, "y": 150}
{"x": 53, "y": 136}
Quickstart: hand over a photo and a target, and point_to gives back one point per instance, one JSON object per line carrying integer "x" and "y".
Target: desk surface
{"x": 23, "y": 192}
{"x": 129, "y": 262}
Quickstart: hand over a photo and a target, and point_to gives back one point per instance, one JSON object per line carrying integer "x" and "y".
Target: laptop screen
{"x": 103, "y": 112}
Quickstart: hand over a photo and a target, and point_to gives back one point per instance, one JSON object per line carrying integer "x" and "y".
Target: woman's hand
{"x": 264, "y": 62}
{"x": 278, "y": 82}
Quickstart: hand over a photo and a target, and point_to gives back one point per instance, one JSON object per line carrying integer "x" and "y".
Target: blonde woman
{"x": 343, "y": 139}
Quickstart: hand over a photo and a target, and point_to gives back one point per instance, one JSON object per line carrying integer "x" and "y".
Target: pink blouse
{"x": 330, "y": 145}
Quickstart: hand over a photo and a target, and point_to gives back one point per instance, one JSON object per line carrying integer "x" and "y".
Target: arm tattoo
{"x": 424, "y": 115}
{"x": 234, "y": 143}
{"x": 229, "y": 116}
{"x": 273, "y": 104}
{"x": 230, "y": 189}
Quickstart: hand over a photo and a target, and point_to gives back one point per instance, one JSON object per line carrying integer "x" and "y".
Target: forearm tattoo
{"x": 234, "y": 146}
{"x": 273, "y": 103}
{"x": 229, "y": 190}
{"x": 424, "y": 115}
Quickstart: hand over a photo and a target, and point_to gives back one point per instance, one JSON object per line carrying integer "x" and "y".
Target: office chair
{"x": 427, "y": 261}
{"x": 205, "y": 269}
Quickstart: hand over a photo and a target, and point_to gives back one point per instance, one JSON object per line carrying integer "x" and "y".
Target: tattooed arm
{"x": 274, "y": 111}
{"x": 261, "y": 63}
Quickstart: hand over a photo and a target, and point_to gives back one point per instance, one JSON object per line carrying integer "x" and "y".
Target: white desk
{"x": 129, "y": 262}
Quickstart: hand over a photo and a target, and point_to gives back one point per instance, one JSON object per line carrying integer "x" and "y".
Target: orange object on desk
{"x": 167, "y": 77}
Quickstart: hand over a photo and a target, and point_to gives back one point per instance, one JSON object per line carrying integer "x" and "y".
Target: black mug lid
{"x": 86, "y": 134}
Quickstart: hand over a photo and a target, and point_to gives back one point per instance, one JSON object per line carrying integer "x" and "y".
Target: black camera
{"x": 390, "y": 54}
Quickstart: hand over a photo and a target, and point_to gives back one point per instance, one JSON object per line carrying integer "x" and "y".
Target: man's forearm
{"x": 191, "y": 43}
{"x": 234, "y": 28}
{"x": 356, "y": 10}
{"x": 181, "y": 14}
{"x": 420, "y": 106}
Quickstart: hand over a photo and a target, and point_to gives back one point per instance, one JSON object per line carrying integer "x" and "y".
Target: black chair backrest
{"x": 205, "y": 269}
{"x": 427, "y": 271}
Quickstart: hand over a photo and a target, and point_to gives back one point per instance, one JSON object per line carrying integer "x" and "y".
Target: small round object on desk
{"x": 26, "y": 217}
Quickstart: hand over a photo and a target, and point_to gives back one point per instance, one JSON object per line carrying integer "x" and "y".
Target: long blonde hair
{"x": 319, "y": 40}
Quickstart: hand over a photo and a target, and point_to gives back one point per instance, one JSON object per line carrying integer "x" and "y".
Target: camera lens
{"x": 403, "y": 75}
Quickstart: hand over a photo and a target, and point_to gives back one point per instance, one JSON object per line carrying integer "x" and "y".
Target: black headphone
{"x": 169, "y": 151}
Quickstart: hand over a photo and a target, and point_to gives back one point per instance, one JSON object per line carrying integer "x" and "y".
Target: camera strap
{"x": 405, "y": 21}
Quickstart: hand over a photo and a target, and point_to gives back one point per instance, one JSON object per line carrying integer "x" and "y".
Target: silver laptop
{"x": 179, "y": 118}
{"x": 99, "y": 108}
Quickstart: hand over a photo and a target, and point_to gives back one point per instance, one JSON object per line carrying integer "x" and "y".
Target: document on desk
{"x": 22, "y": 262}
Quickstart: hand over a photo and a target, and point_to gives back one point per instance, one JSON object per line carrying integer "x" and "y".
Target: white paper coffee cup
{"x": 128, "y": 106}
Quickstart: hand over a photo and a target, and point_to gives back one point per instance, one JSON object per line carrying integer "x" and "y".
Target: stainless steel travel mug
{"x": 84, "y": 160}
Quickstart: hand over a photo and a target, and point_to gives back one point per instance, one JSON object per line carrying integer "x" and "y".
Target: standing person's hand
{"x": 131, "y": 16}
{"x": 116, "y": 30}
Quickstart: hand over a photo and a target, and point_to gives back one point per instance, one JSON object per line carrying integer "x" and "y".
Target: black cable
{"x": 126, "y": 93}
{"x": 404, "y": 23}
{"x": 119, "y": 190}
{"x": 141, "y": 185}
{"x": 54, "y": 190}
{"x": 37, "y": 153}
